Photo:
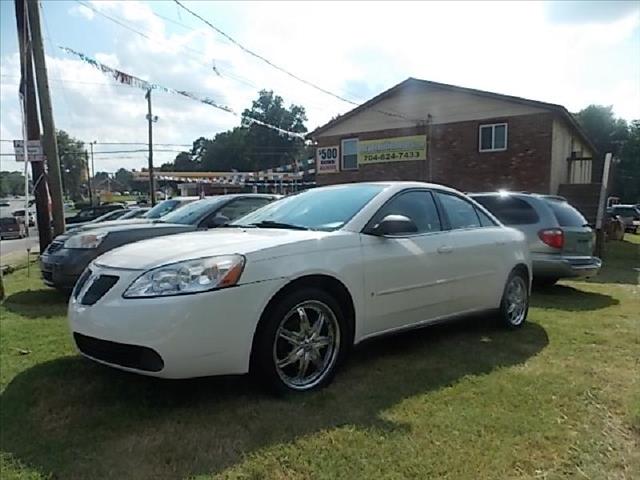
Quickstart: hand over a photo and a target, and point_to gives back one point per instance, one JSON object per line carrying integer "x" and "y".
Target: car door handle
{"x": 445, "y": 249}
{"x": 501, "y": 242}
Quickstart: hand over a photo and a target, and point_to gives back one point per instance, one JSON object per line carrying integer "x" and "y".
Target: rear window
{"x": 566, "y": 215}
{"x": 627, "y": 211}
{"x": 509, "y": 210}
{"x": 8, "y": 221}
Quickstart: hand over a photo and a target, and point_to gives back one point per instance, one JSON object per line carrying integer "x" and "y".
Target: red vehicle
{"x": 12, "y": 227}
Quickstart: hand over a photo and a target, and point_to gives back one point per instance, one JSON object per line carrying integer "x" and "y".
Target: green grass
{"x": 558, "y": 399}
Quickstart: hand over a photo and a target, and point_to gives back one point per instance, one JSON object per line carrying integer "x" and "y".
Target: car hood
{"x": 112, "y": 223}
{"x": 159, "y": 251}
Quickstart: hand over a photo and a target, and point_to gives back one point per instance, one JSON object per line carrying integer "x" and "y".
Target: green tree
{"x": 123, "y": 180}
{"x": 607, "y": 133}
{"x": 627, "y": 173}
{"x": 11, "y": 183}
{"x": 73, "y": 165}
{"x": 266, "y": 147}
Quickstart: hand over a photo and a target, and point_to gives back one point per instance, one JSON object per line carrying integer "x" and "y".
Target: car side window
{"x": 461, "y": 213}
{"x": 417, "y": 205}
{"x": 242, "y": 206}
{"x": 485, "y": 220}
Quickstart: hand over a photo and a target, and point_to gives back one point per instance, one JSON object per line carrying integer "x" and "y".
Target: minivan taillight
{"x": 554, "y": 237}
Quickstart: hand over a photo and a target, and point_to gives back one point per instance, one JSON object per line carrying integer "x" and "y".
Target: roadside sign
{"x": 34, "y": 150}
{"x": 327, "y": 159}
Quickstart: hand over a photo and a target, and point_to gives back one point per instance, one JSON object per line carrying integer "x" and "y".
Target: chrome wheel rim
{"x": 516, "y": 300}
{"x": 306, "y": 345}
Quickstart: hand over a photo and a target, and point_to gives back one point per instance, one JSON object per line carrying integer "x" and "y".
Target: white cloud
{"x": 82, "y": 11}
{"x": 345, "y": 47}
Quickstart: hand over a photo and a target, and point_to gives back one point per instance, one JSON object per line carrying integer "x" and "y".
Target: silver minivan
{"x": 560, "y": 239}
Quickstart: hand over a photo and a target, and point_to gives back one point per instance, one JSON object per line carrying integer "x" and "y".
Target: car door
{"x": 477, "y": 256}
{"x": 407, "y": 276}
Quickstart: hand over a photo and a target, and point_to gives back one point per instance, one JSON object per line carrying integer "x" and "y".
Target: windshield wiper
{"x": 272, "y": 224}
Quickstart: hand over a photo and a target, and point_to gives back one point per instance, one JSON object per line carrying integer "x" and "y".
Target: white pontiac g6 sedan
{"x": 285, "y": 291}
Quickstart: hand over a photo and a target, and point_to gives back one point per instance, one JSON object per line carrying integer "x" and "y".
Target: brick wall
{"x": 456, "y": 161}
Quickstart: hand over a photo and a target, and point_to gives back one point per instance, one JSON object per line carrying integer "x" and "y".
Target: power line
{"x": 283, "y": 70}
{"x": 260, "y": 57}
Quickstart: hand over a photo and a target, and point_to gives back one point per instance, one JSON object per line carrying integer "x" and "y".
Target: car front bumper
{"x": 558, "y": 266}
{"x": 62, "y": 268}
{"x": 183, "y": 336}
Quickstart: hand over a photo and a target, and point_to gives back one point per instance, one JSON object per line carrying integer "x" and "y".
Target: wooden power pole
{"x": 150, "y": 119}
{"x": 46, "y": 113}
{"x": 33, "y": 128}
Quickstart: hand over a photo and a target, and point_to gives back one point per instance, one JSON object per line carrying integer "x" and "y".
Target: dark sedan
{"x": 65, "y": 259}
{"x": 88, "y": 214}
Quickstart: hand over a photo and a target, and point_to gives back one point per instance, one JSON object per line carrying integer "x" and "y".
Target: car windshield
{"x": 567, "y": 215}
{"x": 193, "y": 212}
{"x": 316, "y": 209}
{"x": 162, "y": 208}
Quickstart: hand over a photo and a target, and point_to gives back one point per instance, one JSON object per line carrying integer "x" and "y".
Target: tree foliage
{"x": 250, "y": 146}
{"x": 11, "y": 183}
{"x": 124, "y": 179}
{"x": 627, "y": 172}
{"x": 73, "y": 165}
{"x": 611, "y": 134}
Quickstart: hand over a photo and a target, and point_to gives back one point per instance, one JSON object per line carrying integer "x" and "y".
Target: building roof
{"x": 415, "y": 82}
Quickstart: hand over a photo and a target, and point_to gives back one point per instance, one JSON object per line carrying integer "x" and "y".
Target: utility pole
{"x": 93, "y": 167}
{"x": 86, "y": 162}
{"x": 46, "y": 113}
{"x": 33, "y": 128}
{"x": 151, "y": 119}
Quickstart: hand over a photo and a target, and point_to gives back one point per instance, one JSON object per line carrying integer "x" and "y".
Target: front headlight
{"x": 85, "y": 240}
{"x": 191, "y": 276}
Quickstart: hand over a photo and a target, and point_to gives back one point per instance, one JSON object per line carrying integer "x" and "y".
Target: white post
{"x": 601, "y": 205}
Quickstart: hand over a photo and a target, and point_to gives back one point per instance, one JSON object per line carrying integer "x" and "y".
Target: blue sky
{"x": 571, "y": 53}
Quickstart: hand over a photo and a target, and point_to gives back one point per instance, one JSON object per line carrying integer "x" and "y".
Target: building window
{"x": 493, "y": 138}
{"x": 350, "y": 154}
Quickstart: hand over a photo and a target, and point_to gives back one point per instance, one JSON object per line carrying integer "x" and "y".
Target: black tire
{"x": 506, "y": 317}
{"x": 269, "y": 343}
{"x": 544, "y": 282}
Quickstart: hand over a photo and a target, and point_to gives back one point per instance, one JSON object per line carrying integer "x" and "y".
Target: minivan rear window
{"x": 566, "y": 215}
{"x": 508, "y": 209}
{"x": 8, "y": 221}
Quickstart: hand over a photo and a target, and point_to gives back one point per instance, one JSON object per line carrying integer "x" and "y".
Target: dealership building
{"x": 469, "y": 139}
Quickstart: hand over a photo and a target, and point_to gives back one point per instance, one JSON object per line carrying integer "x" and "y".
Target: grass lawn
{"x": 557, "y": 399}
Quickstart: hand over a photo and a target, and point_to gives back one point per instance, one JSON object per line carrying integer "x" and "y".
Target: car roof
{"x": 507, "y": 193}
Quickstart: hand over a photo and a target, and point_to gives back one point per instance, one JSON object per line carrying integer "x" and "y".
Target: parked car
{"x": 27, "y": 217}
{"x": 629, "y": 214}
{"x": 560, "y": 240}
{"x": 166, "y": 206}
{"x": 5, "y": 204}
{"x": 287, "y": 290}
{"x": 12, "y": 227}
{"x": 107, "y": 217}
{"x": 68, "y": 255}
{"x": 136, "y": 212}
{"x": 88, "y": 214}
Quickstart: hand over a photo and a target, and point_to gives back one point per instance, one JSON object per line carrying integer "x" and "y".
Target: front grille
{"x": 125, "y": 355}
{"x": 101, "y": 285}
{"x": 54, "y": 246}
{"x": 81, "y": 281}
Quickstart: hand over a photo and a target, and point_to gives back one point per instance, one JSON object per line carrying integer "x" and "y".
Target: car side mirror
{"x": 394, "y": 225}
{"x": 217, "y": 221}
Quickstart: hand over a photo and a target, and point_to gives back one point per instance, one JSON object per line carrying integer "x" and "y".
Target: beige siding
{"x": 563, "y": 143}
{"x": 445, "y": 106}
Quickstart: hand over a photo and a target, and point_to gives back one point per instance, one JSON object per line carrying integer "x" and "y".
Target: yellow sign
{"x": 398, "y": 149}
